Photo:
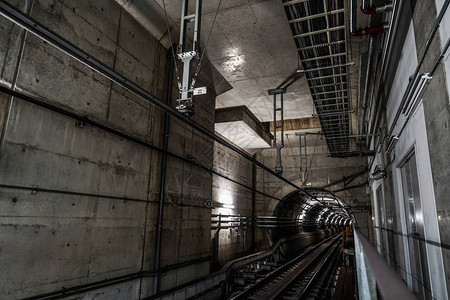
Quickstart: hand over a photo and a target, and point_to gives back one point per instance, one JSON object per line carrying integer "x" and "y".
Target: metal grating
{"x": 320, "y": 32}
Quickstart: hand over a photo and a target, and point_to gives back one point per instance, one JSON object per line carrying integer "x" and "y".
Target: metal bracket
{"x": 81, "y": 123}
{"x": 303, "y": 156}
{"x": 33, "y": 189}
{"x": 278, "y": 110}
{"x": 186, "y": 104}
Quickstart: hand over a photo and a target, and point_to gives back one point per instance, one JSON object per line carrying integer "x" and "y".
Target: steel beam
{"x": 319, "y": 31}
{"x": 327, "y": 85}
{"x": 330, "y": 13}
{"x": 324, "y": 57}
{"x": 327, "y": 76}
{"x": 292, "y": 2}
{"x": 321, "y": 45}
{"x": 333, "y": 113}
{"x": 330, "y": 92}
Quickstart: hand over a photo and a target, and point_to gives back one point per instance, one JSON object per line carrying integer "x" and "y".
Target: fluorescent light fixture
{"x": 230, "y": 206}
{"x": 415, "y": 94}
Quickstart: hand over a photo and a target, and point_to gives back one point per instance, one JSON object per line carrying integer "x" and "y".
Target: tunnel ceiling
{"x": 297, "y": 203}
{"x": 257, "y": 45}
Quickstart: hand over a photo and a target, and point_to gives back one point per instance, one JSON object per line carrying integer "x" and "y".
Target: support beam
{"x": 321, "y": 45}
{"x": 330, "y": 92}
{"x": 327, "y": 76}
{"x": 330, "y": 13}
{"x": 324, "y": 57}
{"x": 292, "y": 2}
{"x": 297, "y": 124}
{"x": 319, "y": 31}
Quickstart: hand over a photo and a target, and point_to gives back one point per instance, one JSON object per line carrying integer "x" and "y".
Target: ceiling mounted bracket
{"x": 278, "y": 112}
{"x": 186, "y": 102}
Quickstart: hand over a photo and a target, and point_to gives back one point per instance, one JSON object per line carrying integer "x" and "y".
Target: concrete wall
{"x": 426, "y": 136}
{"x": 233, "y": 243}
{"x": 60, "y": 238}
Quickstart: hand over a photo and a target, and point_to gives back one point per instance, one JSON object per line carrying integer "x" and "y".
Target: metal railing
{"x": 375, "y": 279}
{"x": 220, "y": 221}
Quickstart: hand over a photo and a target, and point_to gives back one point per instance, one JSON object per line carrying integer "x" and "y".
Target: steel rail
{"x": 284, "y": 283}
{"x": 276, "y": 290}
{"x": 23, "y": 20}
{"x": 322, "y": 265}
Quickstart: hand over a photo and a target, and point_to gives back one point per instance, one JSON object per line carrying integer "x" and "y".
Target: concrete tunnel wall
{"x": 50, "y": 240}
{"x": 97, "y": 217}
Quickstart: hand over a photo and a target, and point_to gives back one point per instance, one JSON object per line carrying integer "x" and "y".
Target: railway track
{"x": 308, "y": 276}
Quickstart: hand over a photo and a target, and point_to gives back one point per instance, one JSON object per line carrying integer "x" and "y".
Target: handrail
{"x": 374, "y": 274}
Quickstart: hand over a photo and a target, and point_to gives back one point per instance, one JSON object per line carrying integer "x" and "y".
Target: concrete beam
{"x": 296, "y": 124}
{"x": 240, "y": 125}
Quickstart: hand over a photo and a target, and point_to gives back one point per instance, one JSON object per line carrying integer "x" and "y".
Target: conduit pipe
{"x": 365, "y": 5}
{"x": 353, "y": 12}
{"x": 375, "y": 9}
{"x": 372, "y": 31}
{"x": 365, "y": 8}
{"x": 363, "y": 108}
{"x": 162, "y": 189}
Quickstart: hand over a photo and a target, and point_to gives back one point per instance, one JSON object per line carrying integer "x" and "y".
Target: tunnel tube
{"x": 313, "y": 214}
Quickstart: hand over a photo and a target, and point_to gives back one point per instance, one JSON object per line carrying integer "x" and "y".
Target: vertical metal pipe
{"x": 282, "y": 119}
{"x": 274, "y": 120}
{"x": 365, "y": 4}
{"x": 184, "y": 8}
{"x": 253, "y": 205}
{"x": 362, "y": 118}
{"x": 163, "y": 173}
{"x": 353, "y": 12}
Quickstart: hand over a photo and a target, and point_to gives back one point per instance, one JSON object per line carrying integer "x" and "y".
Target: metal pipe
{"x": 365, "y": 5}
{"x": 353, "y": 12}
{"x": 362, "y": 115}
{"x": 352, "y": 63}
{"x": 13, "y": 14}
{"x": 383, "y": 8}
{"x": 253, "y": 222}
{"x": 372, "y": 10}
{"x": 162, "y": 186}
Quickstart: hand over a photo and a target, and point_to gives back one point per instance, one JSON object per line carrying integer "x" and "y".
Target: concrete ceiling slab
{"x": 241, "y": 134}
{"x": 240, "y": 126}
{"x": 251, "y": 45}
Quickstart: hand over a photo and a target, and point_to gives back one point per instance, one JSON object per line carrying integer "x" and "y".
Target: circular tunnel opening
{"x": 322, "y": 211}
